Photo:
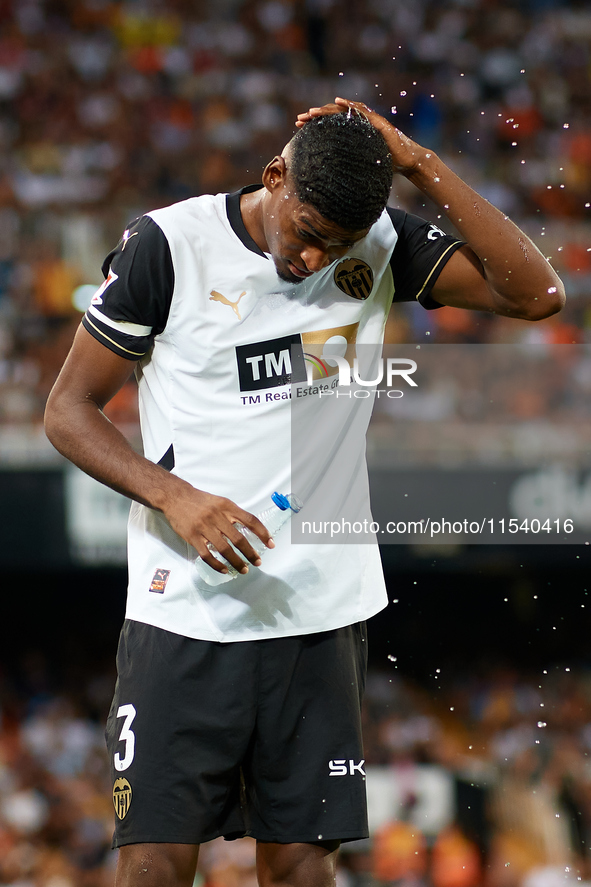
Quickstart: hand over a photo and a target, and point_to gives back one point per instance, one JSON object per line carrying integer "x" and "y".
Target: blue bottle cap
{"x": 280, "y": 501}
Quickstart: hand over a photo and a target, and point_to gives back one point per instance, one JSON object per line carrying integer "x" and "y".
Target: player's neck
{"x": 252, "y": 209}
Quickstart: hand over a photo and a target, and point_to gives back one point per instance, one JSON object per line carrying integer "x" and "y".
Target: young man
{"x": 237, "y": 706}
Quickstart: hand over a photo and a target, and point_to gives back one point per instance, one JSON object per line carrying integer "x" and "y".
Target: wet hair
{"x": 340, "y": 165}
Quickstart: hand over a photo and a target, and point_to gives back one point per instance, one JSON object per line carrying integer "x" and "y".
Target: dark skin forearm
{"x": 520, "y": 282}
{"x": 77, "y": 427}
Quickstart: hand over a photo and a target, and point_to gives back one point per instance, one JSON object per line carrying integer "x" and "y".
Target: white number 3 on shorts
{"x": 127, "y": 736}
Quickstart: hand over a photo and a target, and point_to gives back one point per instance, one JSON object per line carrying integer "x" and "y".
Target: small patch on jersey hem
{"x": 159, "y": 581}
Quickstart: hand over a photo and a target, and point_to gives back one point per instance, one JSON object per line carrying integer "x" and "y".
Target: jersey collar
{"x": 235, "y": 218}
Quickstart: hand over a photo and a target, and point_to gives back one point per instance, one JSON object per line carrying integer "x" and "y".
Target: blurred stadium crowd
{"x": 468, "y": 393}
{"x": 482, "y": 779}
{"x": 109, "y": 109}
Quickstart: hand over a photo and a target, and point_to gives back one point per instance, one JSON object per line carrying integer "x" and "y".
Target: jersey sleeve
{"x": 421, "y": 252}
{"x": 131, "y": 307}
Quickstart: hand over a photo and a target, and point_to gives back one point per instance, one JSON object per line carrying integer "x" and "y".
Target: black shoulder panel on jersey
{"x": 421, "y": 251}
{"x": 132, "y": 305}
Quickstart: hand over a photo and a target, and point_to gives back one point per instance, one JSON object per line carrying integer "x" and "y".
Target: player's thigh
{"x": 299, "y": 865}
{"x": 178, "y": 729}
{"x": 157, "y": 865}
{"x": 305, "y": 779}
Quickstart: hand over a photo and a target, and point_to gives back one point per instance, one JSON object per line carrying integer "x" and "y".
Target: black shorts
{"x": 259, "y": 738}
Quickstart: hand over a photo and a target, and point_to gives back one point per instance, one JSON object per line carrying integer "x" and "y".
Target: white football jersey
{"x": 216, "y": 333}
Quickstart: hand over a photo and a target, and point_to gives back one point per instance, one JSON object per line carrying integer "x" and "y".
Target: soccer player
{"x": 237, "y": 706}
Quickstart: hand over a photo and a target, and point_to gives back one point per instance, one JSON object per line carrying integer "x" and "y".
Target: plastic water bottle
{"x": 274, "y": 518}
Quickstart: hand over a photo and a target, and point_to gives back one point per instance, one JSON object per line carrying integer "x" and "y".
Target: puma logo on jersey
{"x": 219, "y": 297}
{"x": 127, "y": 236}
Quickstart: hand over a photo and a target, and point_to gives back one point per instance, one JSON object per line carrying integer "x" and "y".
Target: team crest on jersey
{"x": 354, "y": 277}
{"x": 159, "y": 581}
{"x": 111, "y": 278}
{"x": 121, "y": 797}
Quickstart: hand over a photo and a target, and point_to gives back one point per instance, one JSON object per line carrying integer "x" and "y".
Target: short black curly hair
{"x": 340, "y": 164}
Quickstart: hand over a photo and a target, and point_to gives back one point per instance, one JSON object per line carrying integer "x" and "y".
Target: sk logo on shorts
{"x": 354, "y": 277}
{"x": 121, "y": 797}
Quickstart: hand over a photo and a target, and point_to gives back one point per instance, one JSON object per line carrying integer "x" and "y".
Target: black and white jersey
{"x": 190, "y": 296}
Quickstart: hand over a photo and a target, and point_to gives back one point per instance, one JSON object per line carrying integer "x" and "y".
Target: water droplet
{"x": 523, "y": 248}
{"x": 340, "y": 73}
{"x": 477, "y": 209}
{"x": 522, "y": 71}
{"x": 452, "y": 708}
{"x": 319, "y": 837}
{"x": 436, "y": 179}
{"x": 587, "y": 205}
{"x": 542, "y": 724}
{"x": 393, "y": 658}
{"x": 393, "y": 109}
{"x": 565, "y": 125}
{"x": 513, "y": 144}
{"x": 403, "y": 93}
{"x": 552, "y": 289}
